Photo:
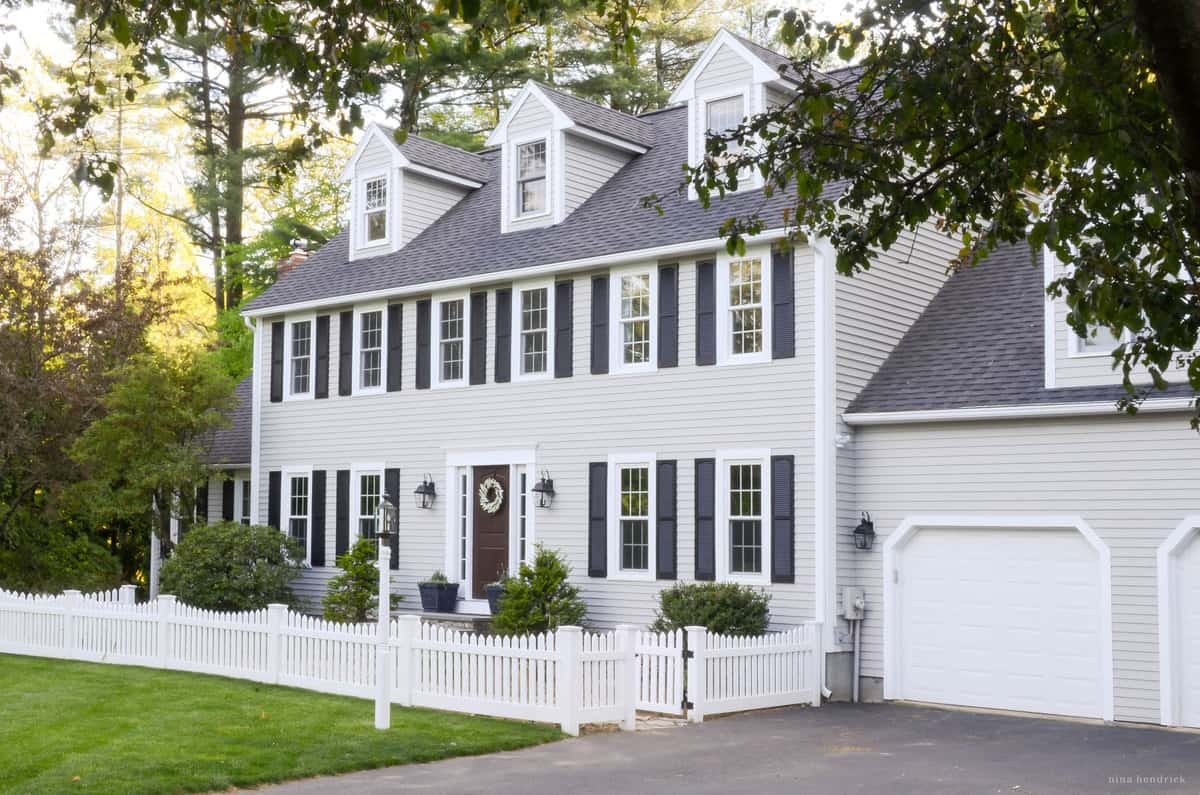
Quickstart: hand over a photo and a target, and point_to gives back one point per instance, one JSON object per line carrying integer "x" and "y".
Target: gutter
{"x": 1025, "y": 411}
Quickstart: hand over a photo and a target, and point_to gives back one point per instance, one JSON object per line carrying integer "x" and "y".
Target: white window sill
{"x": 762, "y": 357}
{"x": 298, "y": 397}
{"x": 631, "y": 575}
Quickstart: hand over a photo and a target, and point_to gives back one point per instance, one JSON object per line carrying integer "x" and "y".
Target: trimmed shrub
{"x": 539, "y": 598}
{"x": 229, "y": 566}
{"x": 353, "y": 595}
{"x": 722, "y": 607}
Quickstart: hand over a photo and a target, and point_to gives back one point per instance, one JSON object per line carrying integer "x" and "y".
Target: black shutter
{"x": 478, "y": 364}
{"x": 563, "y": 323}
{"x": 391, "y": 487}
{"x": 665, "y": 520}
{"x": 274, "y": 490}
{"x": 600, "y": 324}
{"x": 504, "y": 308}
{"x": 783, "y": 523}
{"x": 321, "y": 386}
{"x": 668, "y": 316}
{"x": 346, "y": 353}
{"x": 424, "y": 320}
{"x": 706, "y": 312}
{"x": 202, "y": 504}
{"x": 395, "y": 331}
{"x": 706, "y": 519}
{"x": 783, "y": 312}
{"x": 277, "y": 361}
{"x": 341, "y": 529}
{"x": 227, "y": 500}
{"x": 598, "y": 519}
{"x": 316, "y": 556}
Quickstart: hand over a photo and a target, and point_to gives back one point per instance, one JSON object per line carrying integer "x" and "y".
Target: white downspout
{"x": 255, "y": 421}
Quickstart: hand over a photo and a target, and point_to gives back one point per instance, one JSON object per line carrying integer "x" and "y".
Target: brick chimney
{"x": 289, "y": 262}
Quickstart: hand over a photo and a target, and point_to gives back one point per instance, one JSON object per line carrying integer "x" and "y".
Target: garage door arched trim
{"x": 1167, "y": 651}
{"x": 894, "y": 545}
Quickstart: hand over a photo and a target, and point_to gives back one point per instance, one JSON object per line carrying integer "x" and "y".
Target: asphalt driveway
{"x": 839, "y": 748}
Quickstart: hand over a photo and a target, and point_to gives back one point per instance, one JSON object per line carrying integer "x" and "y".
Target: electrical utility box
{"x": 854, "y": 603}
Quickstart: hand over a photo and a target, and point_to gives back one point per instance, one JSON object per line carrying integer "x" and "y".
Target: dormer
{"x": 556, "y": 151}
{"x": 733, "y": 79}
{"x": 397, "y": 190}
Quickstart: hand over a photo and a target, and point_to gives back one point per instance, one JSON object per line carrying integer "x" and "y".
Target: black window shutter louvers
{"x": 598, "y": 519}
{"x": 564, "y": 321}
{"x": 783, "y": 522}
{"x": 478, "y": 364}
{"x": 321, "y": 385}
{"x": 391, "y": 487}
{"x": 316, "y": 555}
{"x": 346, "y": 353}
{"x": 395, "y": 347}
{"x": 706, "y": 519}
{"x": 665, "y": 520}
{"x": 504, "y": 306}
{"x": 227, "y": 500}
{"x": 341, "y": 514}
{"x": 706, "y": 312}
{"x": 274, "y": 491}
{"x": 424, "y": 330}
{"x": 783, "y": 311}
{"x": 600, "y": 324}
{"x": 202, "y": 504}
{"x": 668, "y": 316}
{"x": 277, "y": 361}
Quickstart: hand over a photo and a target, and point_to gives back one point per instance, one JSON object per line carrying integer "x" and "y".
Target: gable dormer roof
{"x": 781, "y": 63}
{"x": 766, "y": 65}
{"x": 424, "y": 155}
{"x": 580, "y": 116}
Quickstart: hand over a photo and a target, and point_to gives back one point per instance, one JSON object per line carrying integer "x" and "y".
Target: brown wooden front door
{"x": 490, "y": 550}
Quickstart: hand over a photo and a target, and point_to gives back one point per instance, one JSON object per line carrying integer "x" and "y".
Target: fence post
{"x": 407, "y": 628}
{"x": 569, "y": 644}
{"x": 697, "y": 650}
{"x": 275, "y": 616}
{"x": 166, "y": 611}
{"x": 72, "y": 599}
{"x": 627, "y": 684}
{"x": 128, "y": 594}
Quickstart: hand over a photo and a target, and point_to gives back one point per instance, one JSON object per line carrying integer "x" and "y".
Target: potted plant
{"x": 494, "y": 591}
{"x": 438, "y": 595}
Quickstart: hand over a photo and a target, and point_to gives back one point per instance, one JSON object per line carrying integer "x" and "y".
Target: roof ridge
{"x": 427, "y": 139}
{"x": 597, "y": 105}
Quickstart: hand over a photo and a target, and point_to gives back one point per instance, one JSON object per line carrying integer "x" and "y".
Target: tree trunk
{"x": 235, "y": 185}
{"x": 216, "y": 246}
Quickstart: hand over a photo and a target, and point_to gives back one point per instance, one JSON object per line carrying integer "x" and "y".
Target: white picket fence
{"x": 569, "y": 677}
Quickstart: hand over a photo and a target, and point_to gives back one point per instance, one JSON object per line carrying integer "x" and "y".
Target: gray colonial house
{"x": 493, "y": 326}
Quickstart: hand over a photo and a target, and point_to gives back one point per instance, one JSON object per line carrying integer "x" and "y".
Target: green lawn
{"x": 81, "y": 727}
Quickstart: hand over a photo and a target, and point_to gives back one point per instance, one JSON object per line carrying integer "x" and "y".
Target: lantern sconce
{"x": 389, "y": 519}
{"x": 544, "y": 489}
{"x": 864, "y": 534}
{"x": 426, "y": 493}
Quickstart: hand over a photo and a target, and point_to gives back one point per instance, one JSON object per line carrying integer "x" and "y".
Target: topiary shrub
{"x": 353, "y": 595}
{"x": 725, "y": 608}
{"x": 229, "y": 566}
{"x": 539, "y": 598}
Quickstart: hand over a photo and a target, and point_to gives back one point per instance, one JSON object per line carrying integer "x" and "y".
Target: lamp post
{"x": 386, "y": 524}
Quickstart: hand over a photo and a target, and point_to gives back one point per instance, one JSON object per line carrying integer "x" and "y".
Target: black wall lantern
{"x": 426, "y": 493}
{"x": 544, "y": 489}
{"x": 864, "y": 534}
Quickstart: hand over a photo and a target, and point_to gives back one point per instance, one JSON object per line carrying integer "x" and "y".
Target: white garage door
{"x": 1001, "y": 618}
{"x": 1186, "y": 579}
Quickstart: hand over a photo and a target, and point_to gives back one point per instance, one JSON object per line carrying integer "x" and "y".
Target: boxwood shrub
{"x": 723, "y": 607}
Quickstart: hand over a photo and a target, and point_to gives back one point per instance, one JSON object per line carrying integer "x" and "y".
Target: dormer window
{"x": 723, "y": 116}
{"x": 531, "y": 178}
{"x": 375, "y": 201}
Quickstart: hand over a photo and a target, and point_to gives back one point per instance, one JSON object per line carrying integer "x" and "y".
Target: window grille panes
{"x": 635, "y": 318}
{"x": 463, "y": 507}
{"x": 535, "y": 330}
{"x": 452, "y": 340}
{"x": 371, "y": 349}
{"x": 531, "y": 177}
{"x": 746, "y": 306}
{"x": 368, "y": 503}
{"x": 724, "y": 115}
{"x": 301, "y": 353}
{"x": 245, "y": 502}
{"x": 522, "y": 524}
{"x": 1100, "y": 339}
{"x": 375, "y": 207}
{"x": 745, "y": 518}
{"x": 298, "y": 510}
{"x": 635, "y": 518}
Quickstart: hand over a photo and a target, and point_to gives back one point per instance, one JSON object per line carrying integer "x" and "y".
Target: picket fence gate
{"x": 570, "y": 676}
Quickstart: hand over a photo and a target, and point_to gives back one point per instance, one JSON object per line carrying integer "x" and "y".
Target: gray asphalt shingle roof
{"x": 436, "y": 155}
{"x": 231, "y": 445}
{"x": 600, "y": 118}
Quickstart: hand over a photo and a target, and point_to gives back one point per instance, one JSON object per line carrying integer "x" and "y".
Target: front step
{"x": 467, "y": 622}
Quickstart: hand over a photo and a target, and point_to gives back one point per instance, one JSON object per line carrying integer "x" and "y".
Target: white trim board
{"x": 894, "y": 545}
{"x": 1025, "y": 411}
{"x": 1167, "y": 651}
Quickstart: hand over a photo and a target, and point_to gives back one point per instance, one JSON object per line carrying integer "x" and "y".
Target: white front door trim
{"x": 1167, "y": 650}
{"x": 894, "y": 545}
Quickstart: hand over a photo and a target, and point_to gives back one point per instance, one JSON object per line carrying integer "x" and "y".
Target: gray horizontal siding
{"x": 423, "y": 201}
{"x": 589, "y": 165}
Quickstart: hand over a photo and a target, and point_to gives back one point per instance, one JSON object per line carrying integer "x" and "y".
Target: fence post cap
{"x": 626, "y": 627}
{"x": 696, "y": 629}
{"x": 72, "y": 592}
{"x": 570, "y": 628}
{"x": 165, "y": 597}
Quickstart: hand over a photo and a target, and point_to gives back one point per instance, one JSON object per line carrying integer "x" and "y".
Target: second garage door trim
{"x": 897, "y": 538}
{"x": 1167, "y": 664}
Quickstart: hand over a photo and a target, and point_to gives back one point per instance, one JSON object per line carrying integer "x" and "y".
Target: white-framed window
{"x": 723, "y": 115}
{"x": 301, "y": 352}
{"x": 452, "y": 317}
{"x": 744, "y": 307}
{"x": 464, "y": 523}
{"x": 743, "y": 530}
{"x": 297, "y": 507}
{"x": 375, "y": 209}
{"x": 533, "y": 319}
{"x": 531, "y": 194}
{"x": 370, "y": 326}
{"x": 244, "y": 501}
{"x": 1100, "y": 341}
{"x": 631, "y": 531}
{"x": 367, "y": 492}
{"x": 523, "y": 523}
{"x": 633, "y": 344}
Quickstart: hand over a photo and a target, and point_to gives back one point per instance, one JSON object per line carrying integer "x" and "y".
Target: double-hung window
{"x": 300, "y": 352}
{"x": 1100, "y": 341}
{"x": 370, "y": 350}
{"x": 533, "y": 331}
{"x": 634, "y": 305}
{"x": 531, "y": 178}
{"x": 744, "y": 313}
{"x": 298, "y": 509}
{"x": 245, "y": 502}
{"x": 722, "y": 116}
{"x": 631, "y": 520}
{"x": 375, "y": 206}
{"x": 743, "y": 497}
{"x": 370, "y": 488}
{"x": 452, "y": 324}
